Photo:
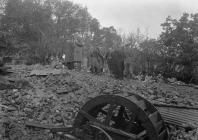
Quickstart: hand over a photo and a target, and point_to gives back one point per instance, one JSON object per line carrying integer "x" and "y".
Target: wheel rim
{"x": 132, "y": 115}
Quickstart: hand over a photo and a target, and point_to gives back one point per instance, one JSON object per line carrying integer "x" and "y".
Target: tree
{"x": 179, "y": 45}
{"x": 110, "y": 38}
{"x": 150, "y": 55}
{"x": 2, "y": 6}
{"x": 49, "y": 27}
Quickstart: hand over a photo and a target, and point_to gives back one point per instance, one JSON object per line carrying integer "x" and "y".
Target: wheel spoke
{"x": 113, "y": 118}
{"x": 131, "y": 121}
{"x": 102, "y": 111}
{"x": 121, "y": 112}
{"x": 116, "y": 131}
{"x": 104, "y": 132}
{"x": 133, "y": 118}
{"x": 141, "y": 134}
{"x": 88, "y": 116}
{"x": 120, "y": 115}
{"x": 125, "y": 114}
{"x": 112, "y": 107}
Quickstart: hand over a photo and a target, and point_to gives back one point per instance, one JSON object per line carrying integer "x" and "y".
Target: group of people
{"x": 112, "y": 61}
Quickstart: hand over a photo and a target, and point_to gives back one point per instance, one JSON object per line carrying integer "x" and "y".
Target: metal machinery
{"x": 113, "y": 117}
{"x": 124, "y": 116}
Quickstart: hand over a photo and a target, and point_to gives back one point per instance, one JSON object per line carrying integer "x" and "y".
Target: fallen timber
{"x": 117, "y": 117}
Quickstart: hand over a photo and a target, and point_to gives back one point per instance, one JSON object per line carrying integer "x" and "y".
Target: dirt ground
{"x": 55, "y": 99}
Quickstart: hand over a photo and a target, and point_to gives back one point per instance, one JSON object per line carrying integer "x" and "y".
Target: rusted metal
{"x": 117, "y": 131}
{"x": 179, "y": 116}
{"x": 104, "y": 132}
{"x": 143, "y": 112}
{"x": 136, "y": 118}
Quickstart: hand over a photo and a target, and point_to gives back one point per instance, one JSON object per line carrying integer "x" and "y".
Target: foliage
{"x": 142, "y": 53}
{"x": 38, "y": 30}
{"x": 174, "y": 54}
{"x": 180, "y": 46}
{"x": 49, "y": 27}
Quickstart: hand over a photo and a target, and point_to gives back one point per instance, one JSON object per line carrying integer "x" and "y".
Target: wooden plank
{"x": 50, "y": 127}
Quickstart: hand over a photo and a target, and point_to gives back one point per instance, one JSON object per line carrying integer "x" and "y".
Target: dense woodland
{"x": 35, "y": 30}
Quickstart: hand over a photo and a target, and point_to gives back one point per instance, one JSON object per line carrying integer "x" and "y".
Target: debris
{"x": 65, "y": 92}
{"x": 50, "y": 127}
{"x": 5, "y": 84}
{"x": 46, "y": 72}
{"x": 8, "y": 108}
{"x": 53, "y": 97}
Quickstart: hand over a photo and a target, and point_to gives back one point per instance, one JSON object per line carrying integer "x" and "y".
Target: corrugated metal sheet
{"x": 179, "y": 116}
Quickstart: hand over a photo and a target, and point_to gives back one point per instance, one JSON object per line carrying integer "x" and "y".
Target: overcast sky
{"x": 128, "y": 15}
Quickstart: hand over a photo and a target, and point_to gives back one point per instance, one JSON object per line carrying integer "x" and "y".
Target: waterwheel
{"x": 114, "y": 117}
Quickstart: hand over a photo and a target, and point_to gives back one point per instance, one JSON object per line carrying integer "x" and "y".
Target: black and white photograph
{"x": 98, "y": 69}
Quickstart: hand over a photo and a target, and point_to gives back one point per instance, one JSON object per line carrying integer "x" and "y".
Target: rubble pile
{"x": 55, "y": 99}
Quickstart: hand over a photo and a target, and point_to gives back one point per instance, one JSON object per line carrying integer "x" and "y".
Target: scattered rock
{"x": 54, "y": 96}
